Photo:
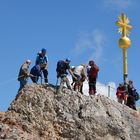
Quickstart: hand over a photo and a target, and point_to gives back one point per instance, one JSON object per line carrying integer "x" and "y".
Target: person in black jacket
{"x": 132, "y": 96}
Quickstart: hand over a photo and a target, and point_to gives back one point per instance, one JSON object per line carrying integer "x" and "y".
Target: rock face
{"x": 39, "y": 113}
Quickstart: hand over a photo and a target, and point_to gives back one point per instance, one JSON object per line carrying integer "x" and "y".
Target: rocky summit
{"x": 39, "y": 112}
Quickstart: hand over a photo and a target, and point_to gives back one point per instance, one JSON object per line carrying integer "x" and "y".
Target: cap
{"x": 28, "y": 61}
{"x": 43, "y": 50}
{"x": 68, "y": 60}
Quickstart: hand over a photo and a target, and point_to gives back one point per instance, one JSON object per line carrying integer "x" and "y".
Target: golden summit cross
{"x": 124, "y": 42}
{"x": 123, "y": 24}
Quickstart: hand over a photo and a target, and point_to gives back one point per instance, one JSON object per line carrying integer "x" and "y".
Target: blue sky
{"x": 79, "y": 29}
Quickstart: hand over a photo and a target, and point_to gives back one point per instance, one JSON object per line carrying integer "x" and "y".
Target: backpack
{"x": 136, "y": 96}
{"x": 93, "y": 71}
{"x": 61, "y": 67}
{"x": 134, "y": 93}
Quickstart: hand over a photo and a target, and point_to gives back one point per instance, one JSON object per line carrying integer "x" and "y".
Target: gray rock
{"x": 39, "y": 113}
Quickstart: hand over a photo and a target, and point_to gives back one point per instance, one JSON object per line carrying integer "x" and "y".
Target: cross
{"x": 123, "y": 24}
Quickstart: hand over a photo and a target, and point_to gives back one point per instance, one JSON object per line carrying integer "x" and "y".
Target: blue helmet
{"x": 68, "y": 60}
{"x": 44, "y": 50}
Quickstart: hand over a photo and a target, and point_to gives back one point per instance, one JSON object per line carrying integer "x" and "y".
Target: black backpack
{"x": 136, "y": 96}
{"x": 61, "y": 67}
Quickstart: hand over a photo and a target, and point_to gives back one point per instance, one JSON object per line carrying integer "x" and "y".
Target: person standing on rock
{"x": 121, "y": 93}
{"x": 133, "y": 96}
{"x": 42, "y": 58}
{"x": 79, "y": 72}
{"x": 24, "y": 74}
{"x": 92, "y": 74}
{"x": 62, "y": 67}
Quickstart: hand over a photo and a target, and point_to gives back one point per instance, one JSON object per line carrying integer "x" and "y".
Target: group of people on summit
{"x": 79, "y": 75}
{"x": 128, "y": 94}
{"x": 41, "y": 66}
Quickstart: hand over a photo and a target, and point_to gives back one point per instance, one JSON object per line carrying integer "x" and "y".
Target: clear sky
{"x": 79, "y": 29}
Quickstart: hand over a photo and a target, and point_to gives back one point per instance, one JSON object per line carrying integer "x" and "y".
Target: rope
{"x": 11, "y": 80}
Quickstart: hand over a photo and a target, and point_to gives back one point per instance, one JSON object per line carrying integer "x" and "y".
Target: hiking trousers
{"x": 92, "y": 86}
{"x": 22, "y": 84}
{"x": 120, "y": 100}
{"x": 45, "y": 73}
{"x": 64, "y": 80}
{"x": 131, "y": 102}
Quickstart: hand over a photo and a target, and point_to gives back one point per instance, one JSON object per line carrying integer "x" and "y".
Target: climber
{"x": 133, "y": 96}
{"x": 36, "y": 71}
{"x": 43, "y": 59}
{"x": 62, "y": 67}
{"x": 79, "y": 72}
{"x": 92, "y": 74}
{"x": 121, "y": 93}
{"x": 24, "y": 74}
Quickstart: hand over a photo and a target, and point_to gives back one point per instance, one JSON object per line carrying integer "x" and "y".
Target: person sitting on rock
{"x": 62, "y": 67}
{"x": 36, "y": 71}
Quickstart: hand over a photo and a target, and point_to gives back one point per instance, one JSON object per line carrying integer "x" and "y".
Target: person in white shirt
{"x": 79, "y": 72}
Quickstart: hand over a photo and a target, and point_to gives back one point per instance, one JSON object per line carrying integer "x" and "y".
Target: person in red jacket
{"x": 121, "y": 93}
{"x": 92, "y": 74}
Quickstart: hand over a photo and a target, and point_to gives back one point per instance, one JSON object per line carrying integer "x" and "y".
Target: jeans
{"x": 92, "y": 86}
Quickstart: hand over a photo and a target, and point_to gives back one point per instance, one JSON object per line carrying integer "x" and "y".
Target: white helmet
{"x": 72, "y": 67}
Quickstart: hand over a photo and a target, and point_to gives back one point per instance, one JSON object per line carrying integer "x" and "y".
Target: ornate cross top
{"x": 124, "y": 27}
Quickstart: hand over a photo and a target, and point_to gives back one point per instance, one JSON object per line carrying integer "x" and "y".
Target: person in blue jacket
{"x": 36, "y": 72}
{"x": 42, "y": 58}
